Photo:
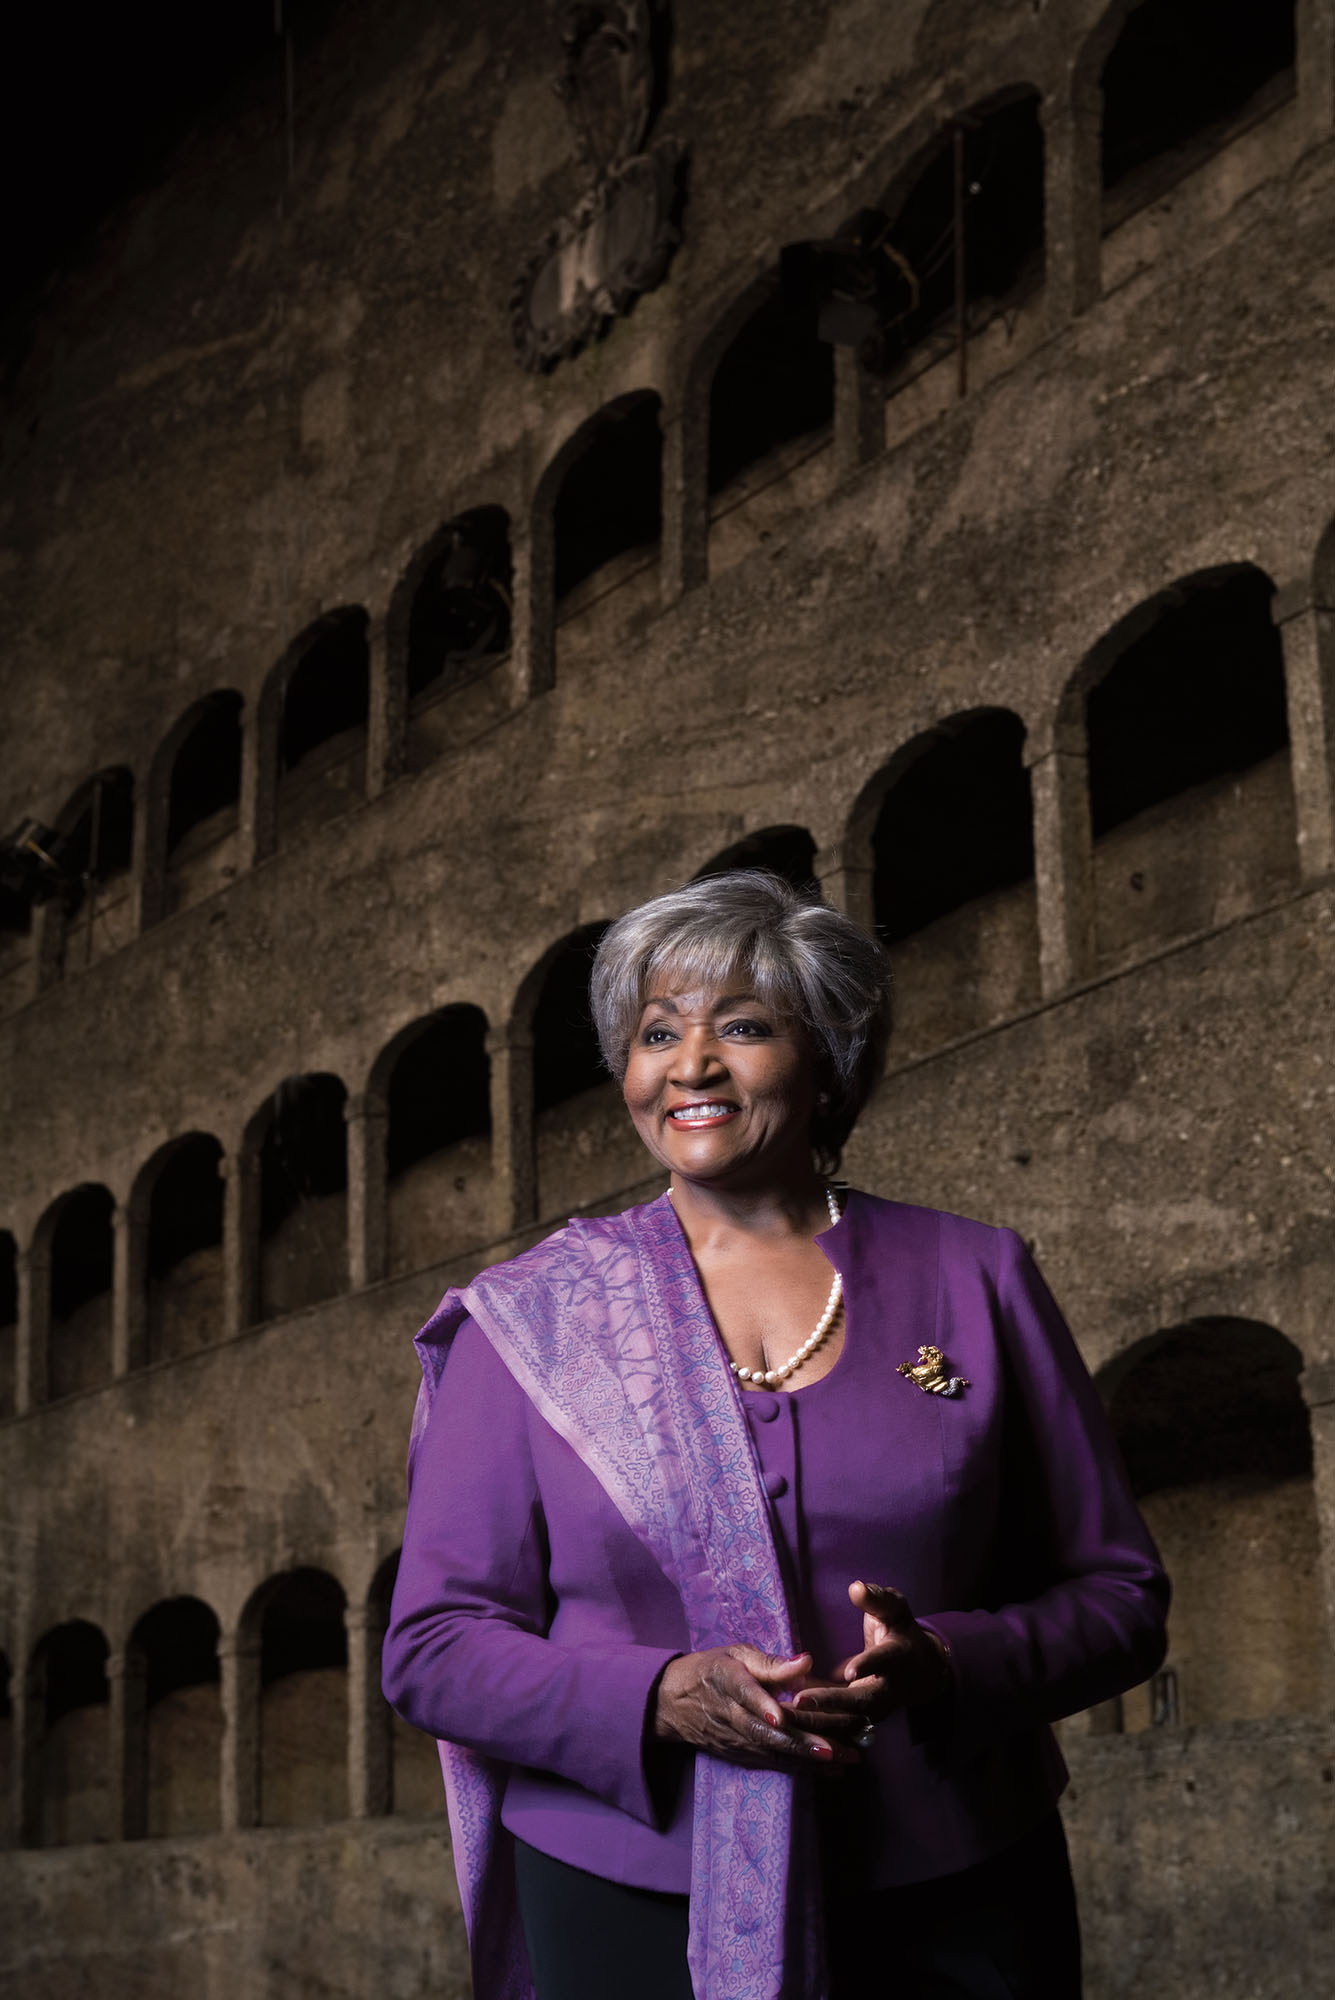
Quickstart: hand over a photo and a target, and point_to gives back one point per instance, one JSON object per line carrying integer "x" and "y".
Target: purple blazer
{"x": 530, "y": 1624}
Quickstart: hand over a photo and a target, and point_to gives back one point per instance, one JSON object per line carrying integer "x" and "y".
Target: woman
{"x": 756, "y": 1535}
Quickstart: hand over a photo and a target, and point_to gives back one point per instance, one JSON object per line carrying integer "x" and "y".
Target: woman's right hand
{"x": 721, "y": 1701}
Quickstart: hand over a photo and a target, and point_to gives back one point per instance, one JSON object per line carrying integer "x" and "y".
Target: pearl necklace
{"x": 769, "y": 1378}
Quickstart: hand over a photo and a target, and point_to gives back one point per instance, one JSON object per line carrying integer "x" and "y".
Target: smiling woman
{"x": 709, "y": 1423}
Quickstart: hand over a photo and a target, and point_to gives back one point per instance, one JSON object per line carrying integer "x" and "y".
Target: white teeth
{"x": 700, "y": 1114}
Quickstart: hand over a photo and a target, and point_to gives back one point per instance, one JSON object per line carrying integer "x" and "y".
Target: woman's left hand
{"x": 901, "y": 1664}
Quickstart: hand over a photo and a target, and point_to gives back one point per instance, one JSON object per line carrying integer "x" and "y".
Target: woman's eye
{"x": 652, "y": 1037}
{"x": 746, "y": 1028}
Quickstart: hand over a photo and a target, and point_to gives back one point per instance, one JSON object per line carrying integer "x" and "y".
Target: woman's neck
{"x": 779, "y": 1210}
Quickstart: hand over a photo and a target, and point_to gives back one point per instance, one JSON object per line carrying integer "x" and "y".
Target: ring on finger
{"x": 865, "y": 1737}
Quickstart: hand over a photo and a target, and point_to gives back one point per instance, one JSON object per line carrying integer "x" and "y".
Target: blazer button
{"x": 766, "y": 1408}
{"x": 776, "y": 1487}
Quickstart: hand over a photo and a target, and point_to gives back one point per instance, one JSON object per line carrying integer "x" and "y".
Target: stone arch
{"x": 74, "y": 1253}
{"x": 947, "y": 828}
{"x": 596, "y": 536}
{"x": 90, "y": 910}
{"x": 1191, "y": 797}
{"x": 584, "y": 1145}
{"x": 986, "y": 164}
{"x": 1175, "y": 84}
{"x": 297, "y": 1620}
{"x": 296, "y": 1151}
{"x": 9, "y": 1325}
{"x": 1217, "y": 1442}
{"x": 175, "y": 1740}
{"x": 414, "y": 1762}
{"x": 433, "y": 1081}
{"x": 788, "y": 851}
{"x": 7, "y": 1747}
{"x": 448, "y": 628}
{"x": 312, "y": 723}
{"x": 192, "y": 806}
{"x": 176, "y": 1216}
{"x": 68, "y": 1762}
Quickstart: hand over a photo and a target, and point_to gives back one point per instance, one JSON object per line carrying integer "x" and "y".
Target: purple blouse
{"x": 530, "y": 1623}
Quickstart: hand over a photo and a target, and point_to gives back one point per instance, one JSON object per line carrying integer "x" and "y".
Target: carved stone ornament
{"x": 619, "y": 239}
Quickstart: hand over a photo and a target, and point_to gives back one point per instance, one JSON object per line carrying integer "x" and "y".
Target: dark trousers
{"x": 1003, "y": 1930}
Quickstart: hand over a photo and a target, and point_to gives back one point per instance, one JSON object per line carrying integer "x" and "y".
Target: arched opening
{"x": 82, "y": 1249}
{"x": 456, "y": 627}
{"x": 771, "y": 418}
{"x": 322, "y": 732}
{"x": 303, "y": 1195}
{"x": 177, "y": 1642}
{"x": 68, "y": 1699}
{"x": 415, "y": 1780}
{"x": 438, "y": 1139}
{"x": 953, "y": 857}
{"x": 93, "y": 852}
{"x": 6, "y": 1748}
{"x": 184, "y": 1249}
{"x": 1191, "y": 799}
{"x": 1215, "y": 1434}
{"x": 788, "y": 851}
{"x": 23, "y": 876}
{"x": 948, "y": 268}
{"x": 1181, "y": 79}
{"x": 303, "y": 1701}
{"x": 607, "y": 526}
{"x": 202, "y": 805}
{"x": 586, "y": 1146}
{"x": 9, "y": 1325}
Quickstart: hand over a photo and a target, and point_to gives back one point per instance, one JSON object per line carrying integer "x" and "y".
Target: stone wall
{"x": 254, "y": 404}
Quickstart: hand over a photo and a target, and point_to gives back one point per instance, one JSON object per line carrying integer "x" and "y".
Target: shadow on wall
{"x": 184, "y": 1260}
{"x": 438, "y": 1142}
{"x": 322, "y": 732}
{"x": 303, "y": 1700}
{"x": 1191, "y": 799}
{"x": 1217, "y": 1442}
{"x": 303, "y": 1158}
{"x": 607, "y": 529}
{"x": 1183, "y": 76}
{"x": 953, "y": 853}
{"x": 176, "y": 1648}
{"x": 201, "y": 839}
{"x": 82, "y": 1251}
{"x": 69, "y": 1766}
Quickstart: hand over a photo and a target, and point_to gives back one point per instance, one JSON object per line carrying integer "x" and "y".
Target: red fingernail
{"x": 774, "y": 1718}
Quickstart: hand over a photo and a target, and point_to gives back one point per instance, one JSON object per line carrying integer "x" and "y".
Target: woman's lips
{"x": 712, "y": 1112}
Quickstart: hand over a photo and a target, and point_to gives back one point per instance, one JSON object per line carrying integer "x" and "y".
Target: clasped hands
{"x": 746, "y": 1706}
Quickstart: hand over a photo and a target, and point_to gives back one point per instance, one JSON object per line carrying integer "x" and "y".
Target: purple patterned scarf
{"x": 606, "y": 1329}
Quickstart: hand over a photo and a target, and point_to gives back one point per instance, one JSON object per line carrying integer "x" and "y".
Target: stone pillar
{"x": 1063, "y": 866}
{"x": 387, "y": 712}
{"x": 533, "y": 611}
{"x": 259, "y": 777}
{"x": 28, "y": 1698}
{"x": 33, "y": 1328}
{"x": 684, "y": 560}
{"x": 1073, "y": 198}
{"x": 1318, "y": 1386}
{"x": 48, "y": 943}
{"x": 149, "y": 879}
{"x": 239, "y": 1779}
{"x": 368, "y": 1214}
{"x": 128, "y": 1776}
{"x": 848, "y": 882}
{"x": 1316, "y": 68}
{"x": 241, "y": 1240}
{"x": 859, "y": 413}
{"x": 370, "y": 1743}
{"x": 129, "y": 1292}
{"x": 514, "y": 1171}
{"x": 1307, "y": 629}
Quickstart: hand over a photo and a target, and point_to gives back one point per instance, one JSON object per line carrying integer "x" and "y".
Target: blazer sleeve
{"x": 1097, "y": 1624}
{"x": 466, "y": 1656}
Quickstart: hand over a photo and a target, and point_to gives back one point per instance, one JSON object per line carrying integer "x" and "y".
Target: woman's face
{"x": 721, "y": 1087}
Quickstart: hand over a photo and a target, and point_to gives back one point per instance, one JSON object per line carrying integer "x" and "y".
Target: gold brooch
{"x": 931, "y": 1374}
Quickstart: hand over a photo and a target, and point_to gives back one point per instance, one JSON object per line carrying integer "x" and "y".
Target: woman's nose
{"x": 698, "y": 1058}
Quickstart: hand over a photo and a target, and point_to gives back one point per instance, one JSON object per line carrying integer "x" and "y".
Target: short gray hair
{"x": 797, "y": 954}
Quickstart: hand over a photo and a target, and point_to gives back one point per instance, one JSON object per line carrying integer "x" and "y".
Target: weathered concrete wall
{"x": 253, "y": 403}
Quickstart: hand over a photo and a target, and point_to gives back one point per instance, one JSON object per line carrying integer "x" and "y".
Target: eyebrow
{"x": 726, "y": 1000}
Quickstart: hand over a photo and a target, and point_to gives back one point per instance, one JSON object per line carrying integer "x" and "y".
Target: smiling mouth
{"x": 712, "y": 1113}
